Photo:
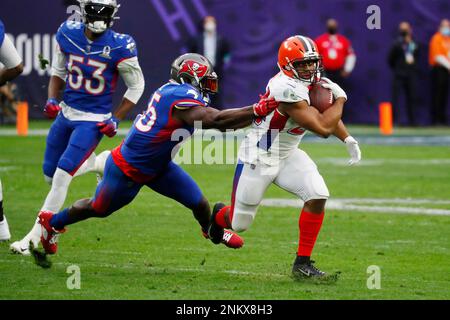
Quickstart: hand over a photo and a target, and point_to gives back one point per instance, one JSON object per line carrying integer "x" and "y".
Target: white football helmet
{"x": 99, "y": 15}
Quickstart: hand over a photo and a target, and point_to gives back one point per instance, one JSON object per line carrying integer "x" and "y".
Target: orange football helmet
{"x": 298, "y": 57}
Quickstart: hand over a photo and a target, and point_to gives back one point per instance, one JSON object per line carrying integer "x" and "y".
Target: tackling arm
{"x": 226, "y": 119}
{"x": 214, "y": 119}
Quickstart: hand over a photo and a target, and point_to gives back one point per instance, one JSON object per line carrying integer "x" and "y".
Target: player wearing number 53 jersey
{"x": 145, "y": 156}
{"x": 270, "y": 154}
{"x": 89, "y": 59}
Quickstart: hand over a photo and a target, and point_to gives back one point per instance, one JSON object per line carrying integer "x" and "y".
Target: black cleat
{"x": 215, "y": 232}
{"x": 307, "y": 270}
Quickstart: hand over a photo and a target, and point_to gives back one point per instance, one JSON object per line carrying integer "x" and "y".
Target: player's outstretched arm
{"x": 226, "y": 119}
{"x": 323, "y": 124}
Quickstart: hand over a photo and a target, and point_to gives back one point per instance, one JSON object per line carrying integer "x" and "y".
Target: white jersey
{"x": 274, "y": 137}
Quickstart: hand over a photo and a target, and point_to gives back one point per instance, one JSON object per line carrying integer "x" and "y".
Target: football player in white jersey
{"x": 11, "y": 67}
{"x": 270, "y": 154}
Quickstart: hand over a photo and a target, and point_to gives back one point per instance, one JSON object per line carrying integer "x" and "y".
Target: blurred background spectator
{"x": 338, "y": 56}
{"x": 214, "y": 47}
{"x": 8, "y": 103}
{"x": 439, "y": 60}
{"x": 403, "y": 60}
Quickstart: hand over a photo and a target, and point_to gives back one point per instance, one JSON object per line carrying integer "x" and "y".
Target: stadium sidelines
{"x": 208, "y": 135}
{"x": 370, "y": 205}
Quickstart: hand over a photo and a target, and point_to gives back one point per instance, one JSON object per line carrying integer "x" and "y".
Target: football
{"x": 320, "y": 98}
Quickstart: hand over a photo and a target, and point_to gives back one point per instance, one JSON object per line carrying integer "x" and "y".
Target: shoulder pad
{"x": 285, "y": 89}
{"x": 187, "y": 96}
{"x": 126, "y": 44}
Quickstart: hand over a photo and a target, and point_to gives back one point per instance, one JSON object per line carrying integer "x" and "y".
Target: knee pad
{"x": 315, "y": 187}
{"x": 67, "y": 165}
{"x": 49, "y": 169}
{"x": 250, "y": 191}
{"x": 243, "y": 216}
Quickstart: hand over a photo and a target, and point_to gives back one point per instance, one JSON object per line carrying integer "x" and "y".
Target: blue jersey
{"x": 92, "y": 66}
{"x": 149, "y": 145}
{"x": 2, "y": 32}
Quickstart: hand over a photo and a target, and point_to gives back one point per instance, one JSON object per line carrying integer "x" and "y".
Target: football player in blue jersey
{"x": 145, "y": 156}
{"x": 89, "y": 58}
{"x": 11, "y": 69}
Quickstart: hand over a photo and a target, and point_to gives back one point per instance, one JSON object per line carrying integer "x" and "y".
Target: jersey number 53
{"x": 77, "y": 79}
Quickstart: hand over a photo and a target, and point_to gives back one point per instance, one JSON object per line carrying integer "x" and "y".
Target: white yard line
{"x": 159, "y": 269}
{"x": 9, "y": 168}
{"x": 379, "y": 162}
{"x": 379, "y": 205}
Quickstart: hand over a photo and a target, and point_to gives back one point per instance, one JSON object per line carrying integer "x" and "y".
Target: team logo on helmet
{"x": 193, "y": 68}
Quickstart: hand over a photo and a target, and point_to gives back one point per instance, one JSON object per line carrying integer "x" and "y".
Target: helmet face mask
{"x": 99, "y": 15}
{"x": 308, "y": 70}
{"x": 210, "y": 83}
{"x": 196, "y": 70}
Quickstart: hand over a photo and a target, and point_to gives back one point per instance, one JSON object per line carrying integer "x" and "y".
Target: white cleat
{"x": 5, "y": 235}
{"x": 23, "y": 246}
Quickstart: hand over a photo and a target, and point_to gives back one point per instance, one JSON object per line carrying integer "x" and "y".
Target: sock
{"x": 60, "y": 220}
{"x": 57, "y": 195}
{"x": 1, "y": 202}
{"x": 222, "y": 219}
{"x": 100, "y": 161}
{"x": 309, "y": 225}
{"x": 87, "y": 166}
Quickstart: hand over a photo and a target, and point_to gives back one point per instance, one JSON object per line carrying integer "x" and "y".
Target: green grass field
{"x": 153, "y": 249}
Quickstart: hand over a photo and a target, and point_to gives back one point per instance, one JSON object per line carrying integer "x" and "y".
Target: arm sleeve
{"x": 59, "y": 64}
{"x": 8, "y": 54}
{"x": 131, "y": 73}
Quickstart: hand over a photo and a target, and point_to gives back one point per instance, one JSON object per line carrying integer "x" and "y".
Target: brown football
{"x": 320, "y": 98}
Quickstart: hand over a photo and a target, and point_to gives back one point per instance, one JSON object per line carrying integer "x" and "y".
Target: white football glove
{"x": 353, "y": 150}
{"x": 334, "y": 87}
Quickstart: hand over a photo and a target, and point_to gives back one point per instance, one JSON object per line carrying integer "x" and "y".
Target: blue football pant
{"x": 117, "y": 190}
{"x": 69, "y": 144}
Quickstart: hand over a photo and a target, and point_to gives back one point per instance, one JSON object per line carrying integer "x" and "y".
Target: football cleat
{"x": 5, "y": 235}
{"x": 215, "y": 232}
{"x": 232, "y": 240}
{"x": 306, "y": 270}
{"x": 31, "y": 239}
{"x": 49, "y": 235}
{"x": 21, "y": 247}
